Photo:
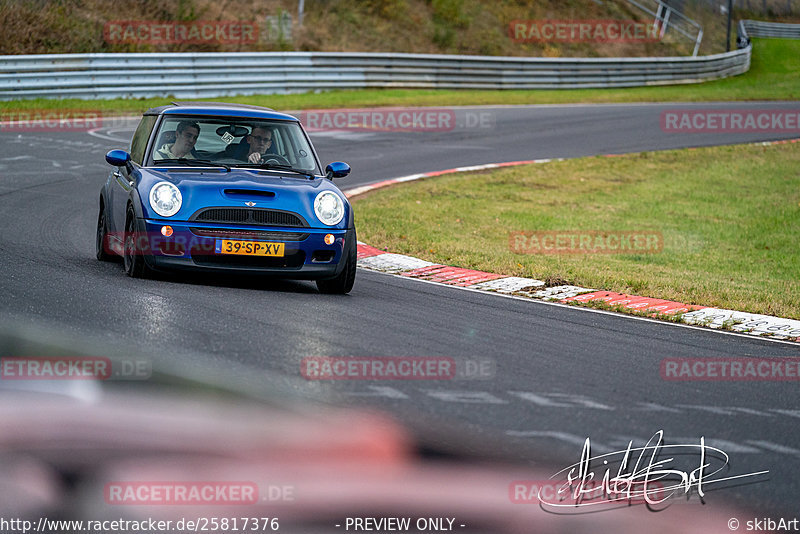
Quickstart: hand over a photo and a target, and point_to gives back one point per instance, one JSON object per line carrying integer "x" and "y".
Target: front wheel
{"x": 342, "y": 284}
{"x": 133, "y": 253}
{"x": 101, "y": 238}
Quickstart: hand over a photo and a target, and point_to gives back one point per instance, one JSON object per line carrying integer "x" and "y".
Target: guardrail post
{"x": 730, "y": 14}
{"x": 665, "y": 22}
{"x": 697, "y": 43}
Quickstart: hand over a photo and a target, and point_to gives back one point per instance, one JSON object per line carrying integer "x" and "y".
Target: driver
{"x": 254, "y": 148}
{"x": 260, "y": 141}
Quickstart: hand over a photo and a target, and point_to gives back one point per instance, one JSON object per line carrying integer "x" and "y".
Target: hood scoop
{"x": 248, "y": 193}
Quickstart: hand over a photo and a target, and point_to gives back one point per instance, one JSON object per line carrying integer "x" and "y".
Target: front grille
{"x": 225, "y": 233}
{"x": 257, "y": 216}
{"x": 292, "y": 260}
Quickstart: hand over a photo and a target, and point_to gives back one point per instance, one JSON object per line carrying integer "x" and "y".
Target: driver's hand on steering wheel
{"x": 255, "y": 157}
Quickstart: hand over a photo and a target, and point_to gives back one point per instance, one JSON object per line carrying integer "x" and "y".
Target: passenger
{"x": 185, "y": 137}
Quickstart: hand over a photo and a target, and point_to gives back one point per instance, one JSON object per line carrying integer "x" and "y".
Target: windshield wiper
{"x": 193, "y": 162}
{"x": 289, "y": 168}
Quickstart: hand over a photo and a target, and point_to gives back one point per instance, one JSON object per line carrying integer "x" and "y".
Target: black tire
{"x": 342, "y": 284}
{"x": 101, "y": 237}
{"x": 132, "y": 256}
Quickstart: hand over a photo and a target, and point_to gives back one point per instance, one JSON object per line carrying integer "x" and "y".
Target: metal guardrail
{"x": 200, "y": 75}
{"x": 197, "y": 75}
{"x": 756, "y": 28}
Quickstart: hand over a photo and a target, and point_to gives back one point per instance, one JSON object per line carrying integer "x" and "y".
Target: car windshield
{"x": 233, "y": 142}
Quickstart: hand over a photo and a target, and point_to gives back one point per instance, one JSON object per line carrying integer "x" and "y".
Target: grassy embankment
{"x": 728, "y": 216}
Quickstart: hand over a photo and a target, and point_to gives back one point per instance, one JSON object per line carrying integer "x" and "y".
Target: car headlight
{"x": 329, "y": 208}
{"x": 165, "y": 199}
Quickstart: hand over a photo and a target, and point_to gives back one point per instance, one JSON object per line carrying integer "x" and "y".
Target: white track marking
{"x": 466, "y": 397}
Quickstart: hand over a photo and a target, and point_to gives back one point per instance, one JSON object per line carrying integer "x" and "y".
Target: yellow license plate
{"x": 249, "y": 248}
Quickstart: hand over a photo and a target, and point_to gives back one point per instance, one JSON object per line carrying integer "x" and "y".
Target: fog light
{"x": 166, "y": 231}
{"x": 329, "y": 239}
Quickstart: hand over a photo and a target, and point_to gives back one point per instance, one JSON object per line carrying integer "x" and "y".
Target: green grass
{"x": 772, "y": 76}
{"x": 728, "y": 217}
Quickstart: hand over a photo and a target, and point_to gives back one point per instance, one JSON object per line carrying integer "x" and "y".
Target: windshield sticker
{"x": 228, "y": 138}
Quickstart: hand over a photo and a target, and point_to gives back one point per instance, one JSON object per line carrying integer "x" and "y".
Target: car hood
{"x": 238, "y": 188}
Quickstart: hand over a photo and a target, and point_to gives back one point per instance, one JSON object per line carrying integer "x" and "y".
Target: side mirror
{"x": 118, "y": 158}
{"x": 337, "y": 169}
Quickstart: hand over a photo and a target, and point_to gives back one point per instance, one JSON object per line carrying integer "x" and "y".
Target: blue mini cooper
{"x": 226, "y": 188}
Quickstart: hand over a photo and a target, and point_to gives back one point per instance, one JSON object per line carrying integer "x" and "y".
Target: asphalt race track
{"x": 561, "y": 374}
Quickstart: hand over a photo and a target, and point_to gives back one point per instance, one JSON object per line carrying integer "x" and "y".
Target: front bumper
{"x": 195, "y": 246}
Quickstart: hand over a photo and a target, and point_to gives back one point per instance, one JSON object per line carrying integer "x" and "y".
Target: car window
{"x": 140, "y": 137}
{"x": 225, "y": 140}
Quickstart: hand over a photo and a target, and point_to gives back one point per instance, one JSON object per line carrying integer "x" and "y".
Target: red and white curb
{"x": 747, "y": 323}
{"x": 398, "y": 264}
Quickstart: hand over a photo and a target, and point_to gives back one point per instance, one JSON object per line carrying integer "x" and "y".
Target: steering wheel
{"x": 280, "y": 160}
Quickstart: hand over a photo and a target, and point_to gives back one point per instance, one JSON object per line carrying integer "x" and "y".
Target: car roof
{"x": 219, "y": 109}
